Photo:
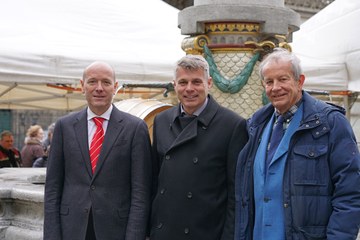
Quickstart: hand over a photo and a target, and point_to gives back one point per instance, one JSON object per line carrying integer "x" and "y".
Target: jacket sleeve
{"x": 344, "y": 164}
{"x": 140, "y": 184}
{"x": 237, "y": 142}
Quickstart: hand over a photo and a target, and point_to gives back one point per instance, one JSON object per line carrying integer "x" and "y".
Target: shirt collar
{"x": 291, "y": 112}
{"x": 105, "y": 115}
{"x": 198, "y": 111}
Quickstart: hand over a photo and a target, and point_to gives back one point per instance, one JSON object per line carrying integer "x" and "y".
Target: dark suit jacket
{"x": 195, "y": 172}
{"x": 119, "y": 191}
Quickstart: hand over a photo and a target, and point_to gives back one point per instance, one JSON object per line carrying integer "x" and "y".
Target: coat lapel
{"x": 191, "y": 130}
{"x": 284, "y": 144}
{"x": 188, "y": 133}
{"x": 81, "y": 134}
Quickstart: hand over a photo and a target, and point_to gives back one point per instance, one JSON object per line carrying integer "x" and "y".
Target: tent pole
{"x": 346, "y": 106}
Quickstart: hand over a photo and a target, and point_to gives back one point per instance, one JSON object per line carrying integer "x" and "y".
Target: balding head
{"x": 99, "y": 86}
{"x": 98, "y": 65}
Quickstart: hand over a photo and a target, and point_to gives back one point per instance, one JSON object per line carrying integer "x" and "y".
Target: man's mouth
{"x": 190, "y": 97}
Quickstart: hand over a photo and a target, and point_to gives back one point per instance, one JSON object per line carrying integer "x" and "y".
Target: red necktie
{"x": 96, "y": 142}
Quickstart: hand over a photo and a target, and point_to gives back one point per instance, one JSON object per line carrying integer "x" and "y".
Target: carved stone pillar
{"x": 233, "y": 35}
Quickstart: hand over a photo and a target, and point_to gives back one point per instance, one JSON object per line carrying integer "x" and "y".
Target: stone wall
{"x": 21, "y": 203}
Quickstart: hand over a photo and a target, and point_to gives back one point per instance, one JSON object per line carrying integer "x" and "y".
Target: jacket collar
{"x": 205, "y": 116}
{"x": 314, "y": 112}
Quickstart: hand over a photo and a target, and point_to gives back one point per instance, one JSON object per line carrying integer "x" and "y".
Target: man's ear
{"x": 210, "y": 82}
{"x": 116, "y": 85}
{"x": 82, "y": 86}
{"x": 301, "y": 80}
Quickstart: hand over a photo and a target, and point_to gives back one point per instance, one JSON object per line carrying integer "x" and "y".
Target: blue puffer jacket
{"x": 321, "y": 185}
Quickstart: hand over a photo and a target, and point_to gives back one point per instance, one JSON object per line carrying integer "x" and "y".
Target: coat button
{"x": 311, "y": 154}
{"x": 92, "y": 187}
{"x": 162, "y": 191}
{"x": 167, "y": 157}
{"x": 189, "y": 195}
{"x": 86, "y": 210}
{"x": 159, "y": 225}
{"x": 267, "y": 199}
{"x": 186, "y": 230}
{"x": 195, "y": 160}
{"x": 286, "y": 205}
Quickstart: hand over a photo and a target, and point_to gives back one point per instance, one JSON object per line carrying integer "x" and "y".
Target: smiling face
{"x": 281, "y": 87}
{"x": 192, "y": 87}
{"x": 99, "y": 86}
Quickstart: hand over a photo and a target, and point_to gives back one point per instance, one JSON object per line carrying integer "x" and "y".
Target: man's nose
{"x": 99, "y": 86}
{"x": 189, "y": 86}
{"x": 276, "y": 85}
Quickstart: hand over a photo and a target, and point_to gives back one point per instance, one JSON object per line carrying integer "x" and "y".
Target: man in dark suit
{"x": 195, "y": 146}
{"x": 110, "y": 199}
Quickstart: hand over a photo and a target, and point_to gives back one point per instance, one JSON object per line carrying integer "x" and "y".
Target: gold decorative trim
{"x": 194, "y": 45}
{"x": 232, "y": 50}
{"x": 232, "y": 28}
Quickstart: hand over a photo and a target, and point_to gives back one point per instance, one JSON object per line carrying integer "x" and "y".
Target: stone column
{"x": 234, "y": 35}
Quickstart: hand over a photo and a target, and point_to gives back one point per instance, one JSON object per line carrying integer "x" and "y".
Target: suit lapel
{"x": 81, "y": 134}
{"x": 112, "y": 132}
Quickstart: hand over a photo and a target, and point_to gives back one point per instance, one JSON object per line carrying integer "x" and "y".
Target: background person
{"x": 104, "y": 199}
{"x": 9, "y": 155}
{"x": 50, "y": 132}
{"x": 42, "y": 161}
{"x": 309, "y": 189}
{"x": 33, "y": 147}
{"x": 196, "y": 145}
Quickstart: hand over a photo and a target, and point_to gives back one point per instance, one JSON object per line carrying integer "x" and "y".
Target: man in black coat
{"x": 195, "y": 146}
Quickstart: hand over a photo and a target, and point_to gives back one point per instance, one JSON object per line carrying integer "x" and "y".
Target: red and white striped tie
{"x": 96, "y": 142}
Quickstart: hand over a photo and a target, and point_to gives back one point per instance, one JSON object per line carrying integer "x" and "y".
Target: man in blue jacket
{"x": 310, "y": 188}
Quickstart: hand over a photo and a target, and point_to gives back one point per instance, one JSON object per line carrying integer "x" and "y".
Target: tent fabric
{"x": 329, "y": 49}
{"x": 52, "y": 42}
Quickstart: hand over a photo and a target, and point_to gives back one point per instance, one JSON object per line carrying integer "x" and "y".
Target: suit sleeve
{"x": 237, "y": 142}
{"x": 54, "y": 186}
{"x": 140, "y": 183}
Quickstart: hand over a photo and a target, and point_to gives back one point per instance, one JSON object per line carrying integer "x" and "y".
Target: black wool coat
{"x": 194, "y": 171}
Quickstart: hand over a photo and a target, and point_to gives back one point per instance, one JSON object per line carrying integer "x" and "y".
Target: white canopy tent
{"x": 45, "y": 45}
{"x": 329, "y": 47}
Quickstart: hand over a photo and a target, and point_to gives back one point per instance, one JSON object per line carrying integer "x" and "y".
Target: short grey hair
{"x": 5, "y": 133}
{"x": 193, "y": 63}
{"x": 281, "y": 54}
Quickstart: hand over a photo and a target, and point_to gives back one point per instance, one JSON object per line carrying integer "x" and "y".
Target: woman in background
{"x": 33, "y": 147}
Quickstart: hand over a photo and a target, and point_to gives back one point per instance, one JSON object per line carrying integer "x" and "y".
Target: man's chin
{"x": 100, "y": 104}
